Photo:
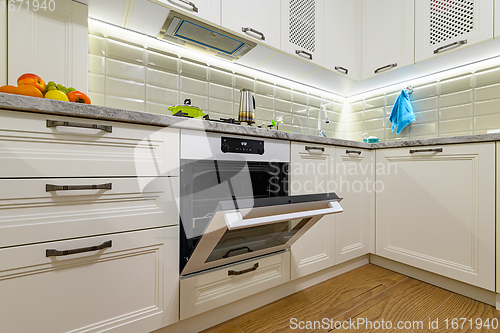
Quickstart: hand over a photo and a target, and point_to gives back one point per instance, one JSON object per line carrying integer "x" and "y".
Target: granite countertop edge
{"x": 10, "y": 102}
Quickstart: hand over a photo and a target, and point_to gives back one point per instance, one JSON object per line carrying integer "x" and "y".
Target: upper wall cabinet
{"x": 208, "y": 10}
{"x": 110, "y": 11}
{"x": 443, "y": 26}
{"x": 52, "y": 44}
{"x": 387, "y": 35}
{"x": 302, "y": 29}
{"x": 497, "y": 18}
{"x": 343, "y": 37}
{"x": 259, "y": 19}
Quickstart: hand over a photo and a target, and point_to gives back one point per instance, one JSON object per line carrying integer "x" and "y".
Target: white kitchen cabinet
{"x": 258, "y": 19}
{"x": 435, "y": 210}
{"x": 3, "y": 48}
{"x": 208, "y": 10}
{"x": 41, "y": 145}
{"x": 497, "y": 18}
{"x": 387, "y": 36}
{"x": 110, "y": 11}
{"x": 498, "y": 221}
{"x": 342, "y": 30}
{"x": 130, "y": 285}
{"x": 203, "y": 292}
{"x": 355, "y": 183}
{"x": 51, "y": 44}
{"x": 310, "y": 173}
{"x": 302, "y": 29}
{"x": 444, "y": 26}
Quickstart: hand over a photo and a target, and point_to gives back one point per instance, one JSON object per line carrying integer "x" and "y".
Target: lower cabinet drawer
{"x": 131, "y": 286}
{"x": 31, "y": 214}
{"x": 207, "y": 291}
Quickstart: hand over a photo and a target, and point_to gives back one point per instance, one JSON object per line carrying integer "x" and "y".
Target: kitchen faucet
{"x": 327, "y": 120}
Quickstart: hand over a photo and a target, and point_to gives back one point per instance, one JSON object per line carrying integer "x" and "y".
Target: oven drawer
{"x": 29, "y": 213}
{"x": 207, "y": 291}
{"x": 131, "y": 286}
{"x": 31, "y": 147}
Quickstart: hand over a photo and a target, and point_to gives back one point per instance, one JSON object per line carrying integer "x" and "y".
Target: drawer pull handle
{"x": 195, "y": 9}
{"x": 54, "y": 123}
{"x": 460, "y": 42}
{"x": 255, "y": 32}
{"x": 314, "y": 148}
{"x": 353, "y": 152}
{"x": 342, "y": 70}
{"x": 436, "y": 150}
{"x": 228, "y": 253}
{"x": 304, "y": 53}
{"x": 52, "y": 188}
{"x": 385, "y": 67}
{"x": 56, "y": 253}
{"x": 248, "y": 270}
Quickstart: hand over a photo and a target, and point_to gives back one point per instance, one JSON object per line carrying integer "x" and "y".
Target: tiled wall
{"x": 464, "y": 104}
{"x": 132, "y": 71}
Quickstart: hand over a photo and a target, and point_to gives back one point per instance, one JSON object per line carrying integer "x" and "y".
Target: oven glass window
{"x": 241, "y": 241}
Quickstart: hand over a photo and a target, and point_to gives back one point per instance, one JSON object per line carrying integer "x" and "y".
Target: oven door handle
{"x": 235, "y": 221}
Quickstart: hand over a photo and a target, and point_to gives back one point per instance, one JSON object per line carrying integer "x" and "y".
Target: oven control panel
{"x": 245, "y": 146}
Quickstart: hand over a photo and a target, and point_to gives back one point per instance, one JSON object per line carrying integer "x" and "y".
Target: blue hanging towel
{"x": 402, "y": 113}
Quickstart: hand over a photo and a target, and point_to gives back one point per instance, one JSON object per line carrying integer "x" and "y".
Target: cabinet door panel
{"x": 443, "y": 27}
{"x": 260, "y": 15}
{"x": 310, "y": 173}
{"x": 59, "y": 56}
{"x": 355, "y": 183}
{"x": 435, "y": 210}
{"x": 497, "y": 18}
{"x": 302, "y": 29}
{"x": 208, "y": 10}
{"x": 130, "y": 287}
{"x": 343, "y": 37}
{"x": 387, "y": 36}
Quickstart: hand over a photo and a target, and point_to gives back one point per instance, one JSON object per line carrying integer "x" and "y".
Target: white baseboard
{"x": 226, "y": 312}
{"x": 480, "y": 294}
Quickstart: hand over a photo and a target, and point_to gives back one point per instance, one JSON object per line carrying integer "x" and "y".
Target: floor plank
{"x": 459, "y": 306}
{"x": 408, "y": 301}
{"x": 230, "y": 327}
{"x": 328, "y": 300}
{"x": 380, "y": 274}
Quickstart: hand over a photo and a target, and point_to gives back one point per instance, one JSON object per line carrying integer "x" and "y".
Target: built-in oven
{"x": 234, "y": 201}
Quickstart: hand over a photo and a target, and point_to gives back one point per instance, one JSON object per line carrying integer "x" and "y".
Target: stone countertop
{"x": 40, "y": 105}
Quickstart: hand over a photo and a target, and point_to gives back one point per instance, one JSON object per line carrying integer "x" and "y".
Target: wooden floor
{"x": 371, "y": 294}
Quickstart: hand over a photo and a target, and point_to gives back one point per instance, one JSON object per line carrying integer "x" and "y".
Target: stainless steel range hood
{"x": 193, "y": 34}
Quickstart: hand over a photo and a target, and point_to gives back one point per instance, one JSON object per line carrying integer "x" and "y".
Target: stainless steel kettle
{"x": 247, "y": 107}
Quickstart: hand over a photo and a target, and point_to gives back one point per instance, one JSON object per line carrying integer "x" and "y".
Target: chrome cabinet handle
{"x": 460, "y": 42}
{"x": 54, "y": 123}
{"x": 56, "y": 253}
{"x": 314, "y": 148}
{"x": 386, "y": 67}
{"x": 53, "y": 188}
{"x": 342, "y": 70}
{"x": 309, "y": 55}
{"x": 255, "y": 32}
{"x": 353, "y": 152}
{"x": 195, "y": 9}
{"x": 436, "y": 150}
{"x": 248, "y": 270}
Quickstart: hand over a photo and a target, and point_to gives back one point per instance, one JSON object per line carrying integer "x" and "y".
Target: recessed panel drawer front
{"x": 70, "y": 147}
{"x": 29, "y": 213}
{"x": 213, "y": 289}
{"x": 119, "y": 288}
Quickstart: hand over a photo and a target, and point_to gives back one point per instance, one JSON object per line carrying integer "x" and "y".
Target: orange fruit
{"x": 28, "y": 90}
{"x": 7, "y": 89}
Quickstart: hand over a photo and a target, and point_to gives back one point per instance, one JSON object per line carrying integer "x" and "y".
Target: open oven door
{"x": 245, "y": 229}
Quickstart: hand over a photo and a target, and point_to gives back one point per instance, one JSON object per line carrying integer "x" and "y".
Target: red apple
{"x": 32, "y": 80}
